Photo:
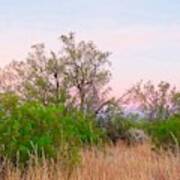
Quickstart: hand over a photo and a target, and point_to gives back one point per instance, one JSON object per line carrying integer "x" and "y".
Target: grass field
{"x": 114, "y": 163}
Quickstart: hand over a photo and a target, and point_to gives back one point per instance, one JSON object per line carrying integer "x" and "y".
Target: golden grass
{"x": 116, "y": 163}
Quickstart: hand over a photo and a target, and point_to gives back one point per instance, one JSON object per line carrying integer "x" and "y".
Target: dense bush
{"x": 165, "y": 133}
{"x": 32, "y": 129}
{"x": 114, "y": 122}
{"x": 117, "y": 128}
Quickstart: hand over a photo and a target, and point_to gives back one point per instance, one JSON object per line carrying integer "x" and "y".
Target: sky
{"x": 142, "y": 35}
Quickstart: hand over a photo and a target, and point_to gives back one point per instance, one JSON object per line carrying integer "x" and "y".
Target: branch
{"x": 110, "y": 101}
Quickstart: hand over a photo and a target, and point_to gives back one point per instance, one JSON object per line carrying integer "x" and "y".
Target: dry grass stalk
{"x": 116, "y": 163}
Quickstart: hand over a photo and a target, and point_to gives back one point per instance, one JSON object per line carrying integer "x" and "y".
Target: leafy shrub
{"x": 117, "y": 128}
{"x": 114, "y": 122}
{"x": 33, "y": 129}
{"x": 165, "y": 133}
{"x": 8, "y": 104}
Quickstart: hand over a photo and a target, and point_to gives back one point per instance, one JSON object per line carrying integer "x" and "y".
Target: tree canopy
{"x": 78, "y": 74}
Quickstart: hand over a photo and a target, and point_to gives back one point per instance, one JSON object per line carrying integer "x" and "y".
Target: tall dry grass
{"x": 115, "y": 163}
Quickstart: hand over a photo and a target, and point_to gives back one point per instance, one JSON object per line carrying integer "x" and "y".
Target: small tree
{"x": 39, "y": 78}
{"x": 176, "y": 102}
{"x": 86, "y": 71}
{"x": 154, "y": 102}
{"x": 10, "y": 80}
{"x": 80, "y": 70}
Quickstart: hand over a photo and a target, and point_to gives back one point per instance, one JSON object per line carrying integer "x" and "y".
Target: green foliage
{"x": 8, "y": 104}
{"x": 33, "y": 129}
{"x": 123, "y": 124}
{"x": 117, "y": 128}
{"x": 115, "y": 123}
{"x": 42, "y": 121}
{"x": 165, "y": 133}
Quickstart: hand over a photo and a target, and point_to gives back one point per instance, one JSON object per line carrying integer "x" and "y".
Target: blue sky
{"x": 143, "y": 35}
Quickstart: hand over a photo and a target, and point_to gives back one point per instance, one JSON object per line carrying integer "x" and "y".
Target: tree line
{"x": 78, "y": 76}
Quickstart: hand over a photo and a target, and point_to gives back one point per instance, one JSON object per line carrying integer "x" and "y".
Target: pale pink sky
{"x": 143, "y": 36}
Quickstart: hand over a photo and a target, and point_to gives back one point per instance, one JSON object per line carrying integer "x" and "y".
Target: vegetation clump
{"x": 35, "y": 130}
{"x": 165, "y": 133}
{"x": 54, "y": 104}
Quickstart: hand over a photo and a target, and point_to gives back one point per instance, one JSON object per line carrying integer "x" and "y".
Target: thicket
{"x": 53, "y": 104}
{"x": 32, "y": 130}
{"x": 165, "y": 133}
